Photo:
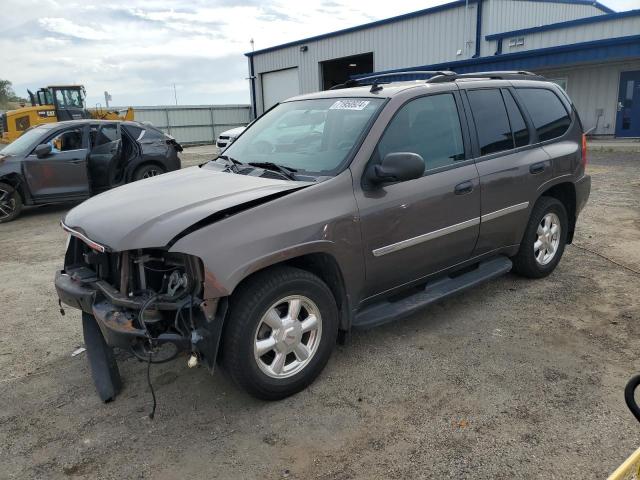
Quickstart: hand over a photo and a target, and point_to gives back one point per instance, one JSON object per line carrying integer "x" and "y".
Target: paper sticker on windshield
{"x": 350, "y": 105}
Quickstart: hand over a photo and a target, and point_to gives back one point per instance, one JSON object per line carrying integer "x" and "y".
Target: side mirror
{"x": 396, "y": 167}
{"x": 43, "y": 150}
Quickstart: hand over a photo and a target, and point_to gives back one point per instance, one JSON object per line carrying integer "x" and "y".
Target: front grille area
{"x": 137, "y": 273}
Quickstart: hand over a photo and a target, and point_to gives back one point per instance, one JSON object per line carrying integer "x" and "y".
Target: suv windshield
{"x": 24, "y": 142}
{"x": 312, "y": 136}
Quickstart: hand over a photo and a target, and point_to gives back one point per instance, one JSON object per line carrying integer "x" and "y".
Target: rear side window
{"x": 518, "y": 126}
{"x": 428, "y": 126}
{"x": 492, "y": 123}
{"x": 547, "y": 112}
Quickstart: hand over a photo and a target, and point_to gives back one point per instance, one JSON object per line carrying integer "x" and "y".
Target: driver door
{"x": 104, "y": 158}
{"x": 415, "y": 228}
{"x": 63, "y": 172}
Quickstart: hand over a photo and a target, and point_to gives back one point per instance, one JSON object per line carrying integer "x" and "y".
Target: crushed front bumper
{"x": 117, "y": 316}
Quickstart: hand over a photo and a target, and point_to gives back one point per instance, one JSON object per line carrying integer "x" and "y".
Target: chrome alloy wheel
{"x": 287, "y": 336}
{"x": 7, "y": 203}
{"x": 546, "y": 246}
{"x": 152, "y": 172}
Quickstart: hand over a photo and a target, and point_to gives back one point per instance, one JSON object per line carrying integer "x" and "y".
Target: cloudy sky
{"x": 137, "y": 49}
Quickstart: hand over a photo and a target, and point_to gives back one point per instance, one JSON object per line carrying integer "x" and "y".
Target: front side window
{"x": 67, "y": 140}
{"x": 312, "y": 136}
{"x": 428, "y": 126}
{"x": 548, "y": 114}
{"x": 492, "y": 123}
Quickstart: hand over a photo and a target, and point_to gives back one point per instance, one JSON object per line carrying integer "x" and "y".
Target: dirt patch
{"x": 514, "y": 379}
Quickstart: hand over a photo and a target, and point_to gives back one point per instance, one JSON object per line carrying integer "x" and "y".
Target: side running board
{"x": 387, "y": 311}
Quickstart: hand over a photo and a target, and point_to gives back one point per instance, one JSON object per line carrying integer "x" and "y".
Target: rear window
{"x": 492, "y": 123}
{"x": 548, "y": 114}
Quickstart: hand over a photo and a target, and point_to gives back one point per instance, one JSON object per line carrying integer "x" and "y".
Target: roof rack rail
{"x": 355, "y": 82}
{"x": 501, "y": 75}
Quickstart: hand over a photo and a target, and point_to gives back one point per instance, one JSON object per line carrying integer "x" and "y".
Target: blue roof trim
{"x": 596, "y": 50}
{"x": 567, "y": 24}
{"x": 592, "y": 3}
{"x": 377, "y": 23}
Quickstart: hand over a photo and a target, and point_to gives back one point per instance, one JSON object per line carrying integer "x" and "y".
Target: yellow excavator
{"x": 54, "y": 104}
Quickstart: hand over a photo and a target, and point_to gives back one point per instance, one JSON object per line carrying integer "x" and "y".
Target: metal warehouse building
{"x": 590, "y": 50}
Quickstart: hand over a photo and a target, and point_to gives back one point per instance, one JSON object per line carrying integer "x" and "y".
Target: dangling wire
{"x": 153, "y": 393}
{"x": 150, "y": 340}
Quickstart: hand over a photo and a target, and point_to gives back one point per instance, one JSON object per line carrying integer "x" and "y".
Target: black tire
{"x": 147, "y": 170}
{"x": 104, "y": 369}
{"x": 10, "y": 203}
{"x": 247, "y": 307}
{"x": 525, "y": 263}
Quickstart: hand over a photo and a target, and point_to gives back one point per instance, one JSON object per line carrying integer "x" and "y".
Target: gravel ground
{"x": 514, "y": 379}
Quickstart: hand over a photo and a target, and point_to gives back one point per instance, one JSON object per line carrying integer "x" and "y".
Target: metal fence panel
{"x": 194, "y": 124}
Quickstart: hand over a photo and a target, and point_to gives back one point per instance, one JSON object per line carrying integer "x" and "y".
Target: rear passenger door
{"x": 106, "y": 144}
{"x": 418, "y": 227}
{"x": 510, "y": 165}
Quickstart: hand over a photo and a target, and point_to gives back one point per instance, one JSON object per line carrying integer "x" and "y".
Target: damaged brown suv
{"x": 335, "y": 210}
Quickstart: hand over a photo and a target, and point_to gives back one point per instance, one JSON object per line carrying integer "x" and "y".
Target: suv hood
{"x": 151, "y": 212}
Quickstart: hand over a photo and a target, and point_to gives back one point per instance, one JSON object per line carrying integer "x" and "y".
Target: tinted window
{"x": 103, "y": 134}
{"x": 518, "y": 126}
{"x": 428, "y": 126}
{"x": 492, "y": 123}
{"x": 547, "y": 112}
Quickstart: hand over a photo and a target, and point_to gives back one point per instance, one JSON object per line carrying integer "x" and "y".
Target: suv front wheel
{"x": 544, "y": 239}
{"x": 281, "y": 329}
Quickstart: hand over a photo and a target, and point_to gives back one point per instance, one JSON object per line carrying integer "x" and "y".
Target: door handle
{"x": 537, "y": 168}
{"x": 463, "y": 188}
{"x": 76, "y": 161}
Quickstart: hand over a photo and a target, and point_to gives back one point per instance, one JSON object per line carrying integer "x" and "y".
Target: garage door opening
{"x": 335, "y": 72}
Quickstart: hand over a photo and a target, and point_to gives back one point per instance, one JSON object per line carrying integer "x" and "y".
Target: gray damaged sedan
{"x": 334, "y": 210}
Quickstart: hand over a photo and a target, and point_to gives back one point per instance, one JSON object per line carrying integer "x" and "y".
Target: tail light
{"x": 584, "y": 150}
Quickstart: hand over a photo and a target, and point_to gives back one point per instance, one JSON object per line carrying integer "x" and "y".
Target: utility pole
{"x": 175, "y": 95}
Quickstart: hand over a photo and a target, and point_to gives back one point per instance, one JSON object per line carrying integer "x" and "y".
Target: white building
{"x": 592, "y": 51}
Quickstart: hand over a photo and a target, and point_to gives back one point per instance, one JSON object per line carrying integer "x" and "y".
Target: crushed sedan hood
{"x": 151, "y": 212}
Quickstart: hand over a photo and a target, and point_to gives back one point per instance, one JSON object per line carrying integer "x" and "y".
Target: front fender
{"x": 318, "y": 219}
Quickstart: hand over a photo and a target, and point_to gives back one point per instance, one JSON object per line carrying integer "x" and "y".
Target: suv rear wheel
{"x": 10, "y": 203}
{"x": 281, "y": 329}
{"x": 544, "y": 239}
{"x": 147, "y": 171}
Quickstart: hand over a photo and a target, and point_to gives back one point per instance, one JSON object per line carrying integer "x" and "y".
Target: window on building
{"x": 428, "y": 126}
{"x": 547, "y": 112}
{"x": 492, "y": 123}
{"x": 518, "y": 125}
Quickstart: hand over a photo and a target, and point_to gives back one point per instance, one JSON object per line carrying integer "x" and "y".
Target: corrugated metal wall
{"x": 594, "y": 90}
{"x": 579, "y": 33}
{"x": 432, "y": 38}
{"x": 194, "y": 124}
{"x": 414, "y": 41}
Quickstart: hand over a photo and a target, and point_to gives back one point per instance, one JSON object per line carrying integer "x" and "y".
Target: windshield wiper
{"x": 232, "y": 162}
{"x": 286, "y": 171}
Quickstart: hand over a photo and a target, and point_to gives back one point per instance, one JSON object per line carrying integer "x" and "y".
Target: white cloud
{"x": 64, "y": 26}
